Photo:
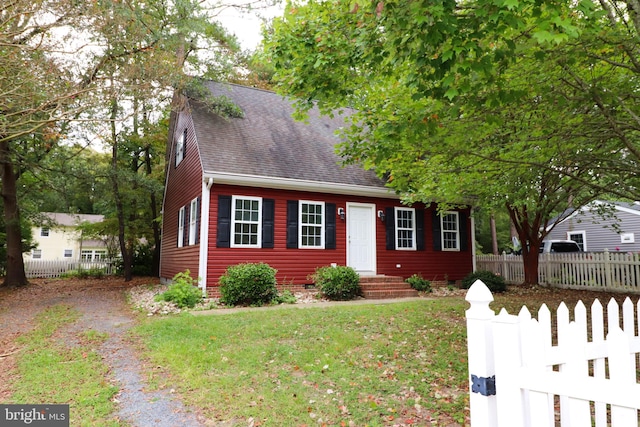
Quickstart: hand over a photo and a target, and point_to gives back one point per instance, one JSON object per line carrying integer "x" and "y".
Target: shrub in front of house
{"x": 494, "y": 282}
{"x": 248, "y": 284}
{"x": 184, "y": 291}
{"x": 337, "y": 283}
{"x": 419, "y": 283}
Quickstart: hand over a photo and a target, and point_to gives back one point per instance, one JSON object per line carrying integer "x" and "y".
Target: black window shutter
{"x": 330, "y": 226}
{"x": 420, "y": 229}
{"x": 464, "y": 231}
{"x": 268, "y": 214}
{"x": 223, "y": 239}
{"x": 390, "y": 225}
{"x": 292, "y": 224}
{"x": 198, "y": 213}
{"x": 437, "y": 231}
{"x": 184, "y": 145}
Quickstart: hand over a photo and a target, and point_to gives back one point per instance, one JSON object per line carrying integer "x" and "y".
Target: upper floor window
{"x": 44, "y": 232}
{"x": 405, "y": 228}
{"x": 311, "y": 223}
{"x": 180, "y": 147}
{"x": 246, "y": 217}
{"x": 450, "y": 231}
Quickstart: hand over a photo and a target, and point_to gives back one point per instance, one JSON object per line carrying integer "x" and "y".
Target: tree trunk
{"x": 127, "y": 255}
{"x": 155, "y": 266}
{"x": 15, "y": 275}
{"x": 528, "y": 230}
{"x": 494, "y": 235}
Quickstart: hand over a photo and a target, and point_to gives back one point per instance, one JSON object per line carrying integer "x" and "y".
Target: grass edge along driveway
{"x": 371, "y": 365}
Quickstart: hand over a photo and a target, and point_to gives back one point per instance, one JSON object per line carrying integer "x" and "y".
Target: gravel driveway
{"x": 103, "y": 308}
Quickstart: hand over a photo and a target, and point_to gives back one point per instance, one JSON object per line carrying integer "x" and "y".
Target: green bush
{"x": 184, "y": 291}
{"x": 418, "y": 283}
{"x": 337, "y": 283}
{"x": 248, "y": 284}
{"x": 494, "y": 282}
{"x": 286, "y": 297}
{"x": 93, "y": 273}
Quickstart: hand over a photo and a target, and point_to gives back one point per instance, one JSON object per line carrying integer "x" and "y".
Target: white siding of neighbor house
{"x": 599, "y": 234}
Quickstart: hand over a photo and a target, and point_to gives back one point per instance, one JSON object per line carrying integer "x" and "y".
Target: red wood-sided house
{"x": 268, "y": 188}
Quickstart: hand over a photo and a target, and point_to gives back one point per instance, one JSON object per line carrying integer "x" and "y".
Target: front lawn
{"x": 375, "y": 365}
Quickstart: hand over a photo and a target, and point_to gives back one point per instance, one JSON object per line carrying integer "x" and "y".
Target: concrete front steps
{"x": 381, "y": 287}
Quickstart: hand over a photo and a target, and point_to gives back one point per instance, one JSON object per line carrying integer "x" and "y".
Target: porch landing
{"x": 381, "y": 287}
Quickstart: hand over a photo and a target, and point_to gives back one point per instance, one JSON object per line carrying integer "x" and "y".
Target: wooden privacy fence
{"x": 56, "y": 268}
{"x": 606, "y": 271}
{"x": 522, "y": 375}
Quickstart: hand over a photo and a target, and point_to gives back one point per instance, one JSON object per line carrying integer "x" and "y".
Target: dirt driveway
{"x": 103, "y": 308}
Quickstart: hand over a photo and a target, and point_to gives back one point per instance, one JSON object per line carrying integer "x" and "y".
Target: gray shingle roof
{"x": 268, "y": 142}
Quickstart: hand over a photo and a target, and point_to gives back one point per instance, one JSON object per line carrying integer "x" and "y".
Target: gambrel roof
{"x": 268, "y": 144}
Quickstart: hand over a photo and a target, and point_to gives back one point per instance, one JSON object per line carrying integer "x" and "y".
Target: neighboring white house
{"x": 62, "y": 240}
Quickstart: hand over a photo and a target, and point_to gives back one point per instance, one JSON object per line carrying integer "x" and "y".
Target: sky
{"x": 247, "y": 26}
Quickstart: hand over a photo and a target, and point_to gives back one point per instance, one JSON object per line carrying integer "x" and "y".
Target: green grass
{"x": 51, "y": 372}
{"x": 354, "y": 365}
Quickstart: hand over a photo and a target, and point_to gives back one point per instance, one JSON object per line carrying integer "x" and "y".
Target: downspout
{"x": 207, "y": 183}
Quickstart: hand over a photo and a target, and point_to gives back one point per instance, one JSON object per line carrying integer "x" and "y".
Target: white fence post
{"x": 482, "y": 400}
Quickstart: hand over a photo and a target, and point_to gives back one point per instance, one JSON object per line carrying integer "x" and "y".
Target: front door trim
{"x": 371, "y": 269}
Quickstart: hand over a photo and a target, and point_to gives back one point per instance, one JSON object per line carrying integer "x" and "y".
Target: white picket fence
{"x": 37, "y": 268}
{"x": 605, "y": 271}
{"x": 523, "y": 376}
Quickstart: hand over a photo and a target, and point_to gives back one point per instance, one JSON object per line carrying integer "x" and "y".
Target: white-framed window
{"x": 68, "y": 253}
{"x": 181, "y": 213}
{"x": 405, "y": 228}
{"x": 36, "y": 254}
{"x": 311, "y": 224}
{"x": 246, "y": 219}
{"x": 193, "y": 221}
{"x": 180, "y": 144}
{"x": 93, "y": 255}
{"x": 450, "y": 231}
{"x": 627, "y": 238}
{"x": 580, "y": 237}
{"x": 44, "y": 232}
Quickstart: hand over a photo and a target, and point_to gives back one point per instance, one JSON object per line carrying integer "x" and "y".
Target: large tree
{"x": 113, "y": 62}
{"x": 464, "y": 102}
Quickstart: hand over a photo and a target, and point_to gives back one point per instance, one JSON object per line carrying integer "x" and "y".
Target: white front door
{"x": 361, "y": 238}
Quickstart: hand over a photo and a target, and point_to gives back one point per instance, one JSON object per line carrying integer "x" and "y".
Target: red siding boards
{"x": 295, "y": 265}
{"x": 184, "y": 183}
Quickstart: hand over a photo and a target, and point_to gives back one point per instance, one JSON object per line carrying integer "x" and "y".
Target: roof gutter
{"x": 299, "y": 185}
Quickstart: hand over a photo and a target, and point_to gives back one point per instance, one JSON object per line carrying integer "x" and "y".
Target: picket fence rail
{"x": 524, "y": 375}
{"x": 38, "y": 268}
{"x": 605, "y": 271}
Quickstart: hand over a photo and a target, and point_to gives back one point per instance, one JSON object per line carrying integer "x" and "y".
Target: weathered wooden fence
{"x": 522, "y": 375}
{"x": 606, "y": 271}
{"x": 56, "y": 268}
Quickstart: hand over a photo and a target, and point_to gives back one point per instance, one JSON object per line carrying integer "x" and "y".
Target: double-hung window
{"x": 450, "y": 231}
{"x": 405, "y": 228}
{"x": 181, "y": 227}
{"x": 44, "y": 232}
{"x": 246, "y": 218}
{"x": 193, "y": 221}
{"x": 68, "y": 253}
{"x": 180, "y": 146}
{"x": 311, "y": 223}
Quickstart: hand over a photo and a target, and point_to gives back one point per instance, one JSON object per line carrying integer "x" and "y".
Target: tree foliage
{"x": 527, "y": 105}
